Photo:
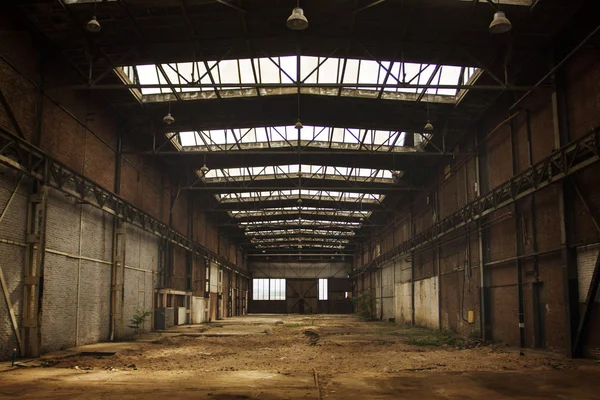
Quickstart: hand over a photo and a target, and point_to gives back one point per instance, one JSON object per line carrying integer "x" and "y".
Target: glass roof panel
{"x": 298, "y": 232}
{"x": 268, "y": 76}
{"x": 304, "y": 194}
{"x": 287, "y": 136}
{"x": 268, "y": 212}
{"x": 303, "y": 171}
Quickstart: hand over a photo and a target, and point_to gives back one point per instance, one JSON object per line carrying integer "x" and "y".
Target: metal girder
{"x": 273, "y": 203}
{"x": 590, "y": 299}
{"x": 305, "y": 215}
{"x": 564, "y": 162}
{"x": 223, "y": 86}
{"x": 385, "y": 160}
{"x": 365, "y": 188}
{"x": 295, "y": 235}
{"x": 278, "y": 226}
{"x": 21, "y": 156}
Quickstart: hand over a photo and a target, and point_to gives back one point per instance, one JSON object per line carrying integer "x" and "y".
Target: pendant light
{"x": 500, "y": 24}
{"x": 428, "y": 126}
{"x": 297, "y": 21}
{"x": 168, "y": 119}
{"x": 93, "y": 26}
{"x": 204, "y": 169}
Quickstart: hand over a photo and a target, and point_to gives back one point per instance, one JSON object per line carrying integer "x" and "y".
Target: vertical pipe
{"x": 517, "y": 237}
{"x": 412, "y": 263}
{"x": 39, "y": 103}
{"x": 480, "y": 244}
{"x": 114, "y": 270}
{"x": 78, "y": 274}
{"x": 565, "y": 205}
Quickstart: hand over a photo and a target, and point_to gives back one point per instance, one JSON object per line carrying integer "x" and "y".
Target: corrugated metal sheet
{"x": 586, "y": 261}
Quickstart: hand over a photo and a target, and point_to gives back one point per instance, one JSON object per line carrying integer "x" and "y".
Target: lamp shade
{"x": 297, "y": 21}
{"x": 93, "y": 25}
{"x": 500, "y": 24}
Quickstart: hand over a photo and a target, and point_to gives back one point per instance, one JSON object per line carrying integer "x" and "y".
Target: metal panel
{"x": 586, "y": 261}
{"x": 302, "y": 296}
{"x": 403, "y": 297}
{"x": 426, "y": 303}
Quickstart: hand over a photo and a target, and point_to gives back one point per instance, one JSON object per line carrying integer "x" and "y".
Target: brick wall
{"x": 79, "y": 130}
{"x": 12, "y": 255}
{"x": 459, "y": 290}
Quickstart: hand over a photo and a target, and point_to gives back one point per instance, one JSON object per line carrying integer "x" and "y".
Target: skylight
{"x": 301, "y": 222}
{"x": 289, "y": 136}
{"x": 303, "y": 194}
{"x": 294, "y": 171}
{"x": 302, "y": 239}
{"x": 269, "y": 212}
{"x": 299, "y": 232}
{"x": 270, "y": 76}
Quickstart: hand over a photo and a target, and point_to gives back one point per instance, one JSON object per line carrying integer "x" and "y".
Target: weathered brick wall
{"x": 12, "y": 254}
{"x": 141, "y": 268}
{"x": 77, "y": 279}
{"x": 80, "y": 130}
{"x": 459, "y": 291}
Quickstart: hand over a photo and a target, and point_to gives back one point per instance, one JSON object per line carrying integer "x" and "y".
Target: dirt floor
{"x": 300, "y": 357}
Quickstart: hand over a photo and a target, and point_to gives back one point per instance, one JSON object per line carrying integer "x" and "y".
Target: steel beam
{"x": 564, "y": 162}
{"x": 21, "y": 156}
{"x": 34, "y": 271}
{"x": 590, "y": 300}
{"x": 347, "y": 189}
{"x": 224, "y": 86}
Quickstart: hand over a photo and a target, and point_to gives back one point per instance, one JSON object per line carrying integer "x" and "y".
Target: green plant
{"x": 139, "y": 319}
{"x": 363, "y": 303}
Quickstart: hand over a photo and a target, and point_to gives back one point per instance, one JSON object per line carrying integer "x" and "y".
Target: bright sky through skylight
{"x": 360, "y": 75}
{"x": 317, "y": 136}
{"x": 324, "y": 195}
{"x": 304, "y": 171}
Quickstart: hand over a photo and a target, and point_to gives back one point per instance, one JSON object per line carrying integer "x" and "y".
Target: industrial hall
{"x": 299, "y": 199}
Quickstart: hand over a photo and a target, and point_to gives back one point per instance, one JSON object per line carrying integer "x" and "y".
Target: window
{"x": 268, "y": 289}
{"x": 322, "y": 289}
{"x": 277, "y": 291}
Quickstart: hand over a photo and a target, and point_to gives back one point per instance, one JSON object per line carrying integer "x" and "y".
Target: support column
{"x": 118, "y": 258}
{"x": 567, "y": 218}
{"x": 517, "y": 237}
{"x": 34, "y": 272}
{"x": 118, "y": 281}
{"x": 484, "y": 282}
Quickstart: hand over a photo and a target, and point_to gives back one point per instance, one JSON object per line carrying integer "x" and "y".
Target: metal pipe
{"x": 517, "y": 238}
{"x": 522, "y": 257}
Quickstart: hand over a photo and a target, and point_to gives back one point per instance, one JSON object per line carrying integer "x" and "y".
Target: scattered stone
{"x": 278, "y": 322}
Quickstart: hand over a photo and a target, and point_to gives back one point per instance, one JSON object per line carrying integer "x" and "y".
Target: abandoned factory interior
{"x": 299, "y": 199}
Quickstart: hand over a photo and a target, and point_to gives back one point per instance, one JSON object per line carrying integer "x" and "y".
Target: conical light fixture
{"x": 298, "y": 125}
{"x": 93, "y": 26}
{"x": 168, "y": 119}
{"x": 204, "y": 170}
{"x": 297, "y": 21}
{"x": 500, "y": 24}
{"x": 428, "y": 126}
